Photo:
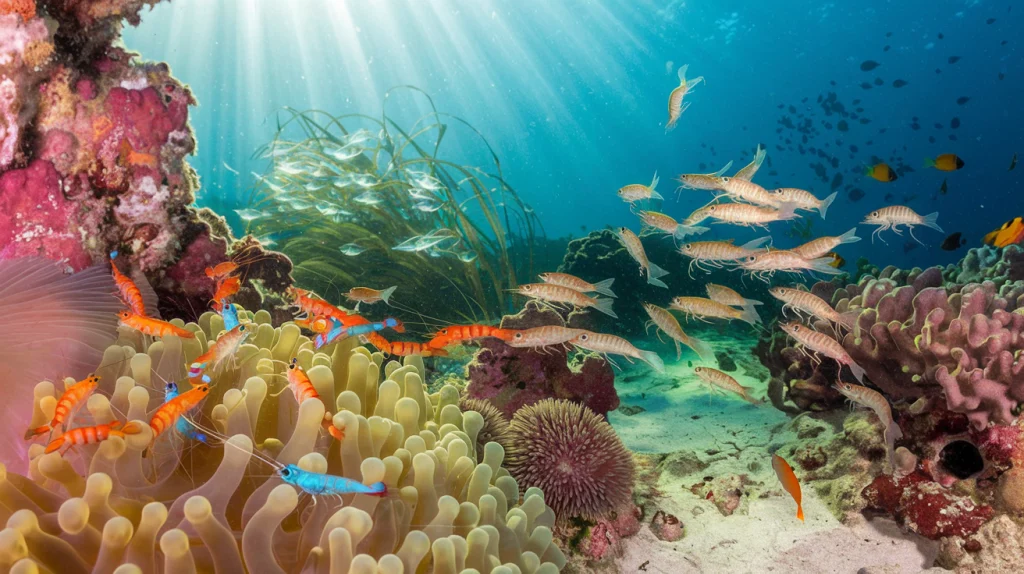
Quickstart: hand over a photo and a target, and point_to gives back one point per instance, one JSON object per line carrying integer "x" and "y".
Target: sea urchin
{"x": 573, "y": 455}
{"x": 495, "y": 427}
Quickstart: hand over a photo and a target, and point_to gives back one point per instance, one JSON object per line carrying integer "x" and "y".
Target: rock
{"x": 1010, "y": 491}
{"x": 630, "y": 410}
{"x": 667, "y": 527}
{"x": 725, "y": 362}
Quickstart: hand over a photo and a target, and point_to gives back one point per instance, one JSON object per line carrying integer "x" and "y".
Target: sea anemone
{"x": 221, "y": 512}
{"x": 573, "y": 455}
{"x": 496, "y": 426}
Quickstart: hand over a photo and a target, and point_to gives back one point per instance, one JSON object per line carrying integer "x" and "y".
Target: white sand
{"x": 731, "y": 436}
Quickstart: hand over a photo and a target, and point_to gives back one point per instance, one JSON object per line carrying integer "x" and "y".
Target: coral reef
{"x": 926, "y": 507}
{"x": 443, "y": 511}
{"x": 511, "y": 378}
{"x": 573, "y": 455}
{"x": 93, "y": 144}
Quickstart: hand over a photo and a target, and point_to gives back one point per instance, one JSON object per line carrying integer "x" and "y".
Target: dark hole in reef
{"x": 962, "y": 459}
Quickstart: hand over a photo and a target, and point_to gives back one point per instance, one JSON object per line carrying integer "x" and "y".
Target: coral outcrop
{"x": 511, "y": 378}
{"x": 93, "y": 148}
{"x": 218, "y": 511}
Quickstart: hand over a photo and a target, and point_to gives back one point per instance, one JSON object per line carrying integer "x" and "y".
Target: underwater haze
{"x": 572, "y": 95}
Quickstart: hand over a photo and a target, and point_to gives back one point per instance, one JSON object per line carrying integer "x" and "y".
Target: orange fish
{"x": 945, "y": 162}
{"x": 369, "y": 296}
{"x": 1011, "y": 232}
{"x": 882, "y": 172}
{"x": 789, "y": 482}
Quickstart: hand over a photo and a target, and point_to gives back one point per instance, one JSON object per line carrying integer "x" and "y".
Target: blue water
{"x": 572, "y": 95}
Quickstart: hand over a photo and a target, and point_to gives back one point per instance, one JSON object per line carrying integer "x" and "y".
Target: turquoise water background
{"x": 572, "y": 94}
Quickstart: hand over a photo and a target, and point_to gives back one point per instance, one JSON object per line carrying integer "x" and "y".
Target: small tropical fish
{"x": 248, "y": 215}
{"x": 428, "y": 205}
{"x": 823, "y": 344}
{"x": 751, "y": 168}
{"x": 638, "y": 192}
{"x": 370, "y": 296}
{"x": 352, "y": 249}
{"x": 823, "y": 245}
{"x": 943, "y": 189}
{"x": 875, "y": 401}
{"x": 612, "y": 345}
{"x": 953, "y": 242}
{"x": 558, "y": 294}
{"x": 577, "y": 284}
{"x": 702, "y": 308}
{"x": 741, "y": 214}
{"x": 881, "y": 172}
{"x": 1013, "y": 162}
{"x": 636, "y": 250}
{"x": 706, "y": 181}
{"x": 945, "y": 162}
{"x": 369, "y": 198}
{"x": 723, "y": 381}
{"x": 1009, "y": 233}
{"x": 676, "y": 107}
{"x": 765, "y": 264}
{"x": 789, "y": 482}
{"x": 727, "y": 296}
{"x": 895, "y": 215}
{"x": 807, "y": 302}
{"x": 542, "y": 336}
{"x": 468, "y": 256}
{"x": 669, "y": 325}
{"x": 804, "y": 199}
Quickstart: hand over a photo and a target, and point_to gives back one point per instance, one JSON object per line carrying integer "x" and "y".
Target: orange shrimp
{"x": 225, "y": 288}
{"x": 130, "y": 293}
{"x": 316, "y": 307}
{"x": 153, "y": 327}
{"x": 91, "y": 435}
{"x": 74, "y": 395}
{"x": 221, "y": 270}
{"x": 403, "y": 348}
{"x": 167, "y": 414}
{"x": 458, "y": 333}
{"x": 302, "y": 388}
{"x": 223, "y": 349}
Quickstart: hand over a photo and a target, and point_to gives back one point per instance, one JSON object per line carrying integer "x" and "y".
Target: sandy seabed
{"x": 733, "y": 437}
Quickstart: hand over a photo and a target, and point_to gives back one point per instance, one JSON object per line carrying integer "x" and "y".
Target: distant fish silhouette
{"x": 953, "y": 242}
{"x": 868, "y": 65}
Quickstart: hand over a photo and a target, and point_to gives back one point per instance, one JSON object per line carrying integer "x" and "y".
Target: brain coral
{"x": 190, "y": 507}
{"x": 573, "y": 455}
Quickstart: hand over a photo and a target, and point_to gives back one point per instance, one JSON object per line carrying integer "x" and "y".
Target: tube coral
{"x": 573, "y": 455}
{"x": 443, "y": 512}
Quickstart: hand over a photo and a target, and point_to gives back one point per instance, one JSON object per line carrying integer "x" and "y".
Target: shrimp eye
{"x": 752, "y": 258}
{"x": 286, "y": 472}
{"x": 688, "y": 246}
{"x": 518, "y": 335}
{"x": 241, "y": 327}
{"x": 796, "y": 328}
{"x": 712, "y": 208}
{"x": 584, "y": 337}
{"x": 725, "y": 179}
{"x": 874, "y": 214}
{"x": 527, "y": 287}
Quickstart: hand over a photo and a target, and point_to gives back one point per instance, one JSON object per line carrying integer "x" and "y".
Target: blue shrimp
{"x": 183, "y": 426}
{"x": 318, "y": 484}
{"x": 339, "y": 330}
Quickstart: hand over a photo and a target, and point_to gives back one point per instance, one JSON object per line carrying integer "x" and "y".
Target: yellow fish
{"x": 945, "y": 162}
{"x": 1009, "y": 233}
{"x": 881, "y": 171}
{"x": 837, "y": 259}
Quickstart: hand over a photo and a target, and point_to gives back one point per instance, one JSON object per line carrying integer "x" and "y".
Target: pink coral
{"x": 35, "y": 217}
{"x": 24, "y": 8}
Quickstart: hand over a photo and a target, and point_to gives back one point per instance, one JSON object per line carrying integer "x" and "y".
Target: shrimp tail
{"x": 857, "y": 371}
{"x": 756, "y": 243}
{"x": 722, "y": 171}
{"x": 652, "y": 359}
{"x": 848, "y": 319}
{"x": 378, "y": 489}
{"x": 787, "y": 210}
{"x": 32, "y": 433}
{"x": 605, "y": 287}
{"x": 385, "y": 295}
{"x": 654, "y": 184}
{"x": 749, "y": 315}
{"x": 931, "y": 220}
{"x": 891, "y": 435}
{"x": 684, "y": 230}
{"x": 605, "y": 306}
{"x": 747, "y": 397}
{"x": 654, "y": 273}
{"x": 822, "y": 265}
{"x": 703, "y": 350}
{"x": 825, "y": 203}
{"x": 54, "y": 445}
{"x": 848, "y": 237}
